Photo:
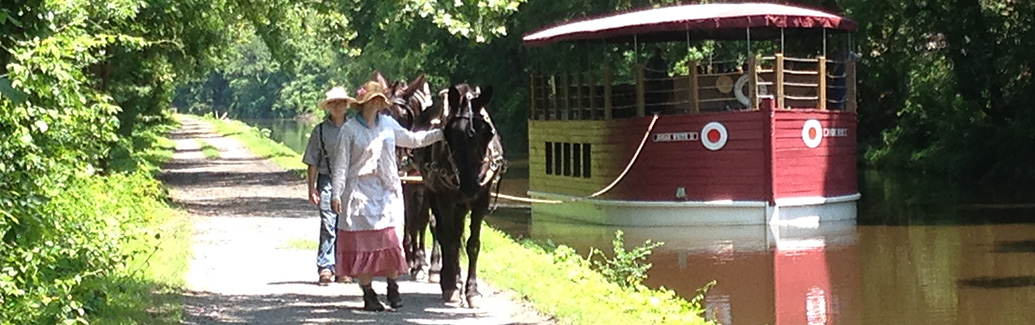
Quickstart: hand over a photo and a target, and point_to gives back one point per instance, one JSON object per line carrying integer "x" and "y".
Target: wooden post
{"x": 850, "y": 84}
{"x": 778, "y": 83}
{"x": 592, "y": 95}
{"x": 531, "y": 96}
{"x": 822, "y": 91}
{"x": 578, "y": 96}
{"x": 566, "y": 97}
{"x": 550, "y": 98}
{"x": 752, "y": 83}
{"x": 695, "y": 97}
{"x": 607, "y": 94}
{"x": 641, "y": 91}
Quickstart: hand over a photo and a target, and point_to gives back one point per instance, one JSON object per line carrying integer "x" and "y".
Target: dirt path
{"x": 246, "y": 213}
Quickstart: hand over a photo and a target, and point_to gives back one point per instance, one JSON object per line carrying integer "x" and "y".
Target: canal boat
{"x": 764, "y": 137}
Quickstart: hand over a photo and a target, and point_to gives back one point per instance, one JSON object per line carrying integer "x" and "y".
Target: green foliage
{"x": 561, "y": 283}
{"x": 944, "y": 87}
{"x": 76, "y": 258}
{"x": 626, "y": 268}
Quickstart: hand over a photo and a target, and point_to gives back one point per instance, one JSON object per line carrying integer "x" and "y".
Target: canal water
{"x": 922, "y": 251}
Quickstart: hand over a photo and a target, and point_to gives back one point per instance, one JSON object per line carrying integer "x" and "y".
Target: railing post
{"x": 592, "y": 94}
{"x": 578, "y": 96}
{"x": 850, "y": 84}
{"x": 607, "y": 94}
{"x": 752, "y": 83}
{"x": 566, "y": 97}
{"x": 695, "y": 98}
{"x": 778, "y": 83}
{"x": 822, "y": 71}
{"x": 555, "y": 100}
{"x": 641, "y": 91}
{"x": 531, "y": 96}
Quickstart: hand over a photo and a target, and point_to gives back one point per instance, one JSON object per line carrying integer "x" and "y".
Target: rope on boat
{"x": 635, "y": 157}
{"x": 606, "y": 189}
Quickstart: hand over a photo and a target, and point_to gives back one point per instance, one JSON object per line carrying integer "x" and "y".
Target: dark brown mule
{"x": 408, "y": 101}
{"x": 458, "y": 174}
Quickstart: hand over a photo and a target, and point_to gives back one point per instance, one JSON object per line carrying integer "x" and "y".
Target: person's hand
{"x": 336, "y": 205}
{"x": 314, "y": 196}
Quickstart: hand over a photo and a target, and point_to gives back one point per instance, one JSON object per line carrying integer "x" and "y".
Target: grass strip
{"x": 210, "y": 151}
{"x": 258, "y": 142}
{"x": 558, "y": 282}
{"x": 158, "y": 241}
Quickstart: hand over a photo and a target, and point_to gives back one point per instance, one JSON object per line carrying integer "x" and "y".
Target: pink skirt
{"x": 375, "y": 252}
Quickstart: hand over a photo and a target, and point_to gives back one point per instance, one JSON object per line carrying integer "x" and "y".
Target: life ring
{"x": 739, "y": 93}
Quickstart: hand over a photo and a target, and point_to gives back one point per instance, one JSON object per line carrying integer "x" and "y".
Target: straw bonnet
{"x": 370, "y": 90}
{"x": 335, "y": 94}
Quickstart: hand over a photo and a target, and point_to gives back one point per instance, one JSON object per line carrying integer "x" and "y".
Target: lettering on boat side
{"x": 812, "y": 133}
{"x": 677, "y": 136}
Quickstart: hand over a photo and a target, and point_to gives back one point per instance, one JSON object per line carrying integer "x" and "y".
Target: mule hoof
{"x": 451, "y": 295}
{"x": 420, "y": 276}
{"x": 434, "y": 277}
{"x": 474, "y": 301}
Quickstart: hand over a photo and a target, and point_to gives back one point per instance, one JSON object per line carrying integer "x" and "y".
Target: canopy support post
{"x": 824, "y": 42}
{"x": 781, "y": 41}
{"x": 749, "y": 41}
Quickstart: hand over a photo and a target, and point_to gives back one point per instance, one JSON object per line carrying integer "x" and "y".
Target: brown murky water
{"x": 921, "y": 252}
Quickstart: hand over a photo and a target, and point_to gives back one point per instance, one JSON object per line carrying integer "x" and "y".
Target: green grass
{"x": 557, "y": 283}
{"x": 151, "y": 284}
{"x": 301, "y": 244}
{"x": 258, "y": 142}
{"x": 210, "y": 152}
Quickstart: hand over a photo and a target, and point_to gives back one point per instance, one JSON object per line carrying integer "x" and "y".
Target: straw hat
{"x": 335, "y": 94}
{"x": 369, "y": 91}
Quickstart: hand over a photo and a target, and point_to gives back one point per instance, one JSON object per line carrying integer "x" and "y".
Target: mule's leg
{"x": 449, "y": 237}
{"x": 435, "y": 267}
{"x": 479, "y": 207}
{"x": 412, "y": 227}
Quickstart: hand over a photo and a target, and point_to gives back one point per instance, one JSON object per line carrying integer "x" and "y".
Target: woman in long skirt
{"x": 367, "y": 194}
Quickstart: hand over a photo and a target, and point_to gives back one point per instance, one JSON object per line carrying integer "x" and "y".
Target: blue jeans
{"x": 328, "y": 225}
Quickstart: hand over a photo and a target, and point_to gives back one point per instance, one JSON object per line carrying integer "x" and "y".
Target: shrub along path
{"x": 247, "y": 213}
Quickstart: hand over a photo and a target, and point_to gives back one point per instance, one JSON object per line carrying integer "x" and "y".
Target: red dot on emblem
{"x": 812, "y": 133}
{"x": 713, "y": 135}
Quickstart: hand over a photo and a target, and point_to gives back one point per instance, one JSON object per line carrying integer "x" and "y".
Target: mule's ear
{"x": 484, "y": 98}
{"x": 380, "y": 79}
{"x": 413, "y": 86}
{"x": 454, "y": 98}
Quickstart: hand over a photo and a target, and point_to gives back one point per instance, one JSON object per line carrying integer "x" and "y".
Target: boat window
{"x": 549, "y": 158}
{"x": 586, "y": 161}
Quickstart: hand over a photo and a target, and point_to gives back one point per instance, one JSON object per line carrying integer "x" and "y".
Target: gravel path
{"x": 245, "y": 212}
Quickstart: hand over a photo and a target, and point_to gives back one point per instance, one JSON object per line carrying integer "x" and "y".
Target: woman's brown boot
{"x": 370, "y": 302}
{"x": 394, "y": 299}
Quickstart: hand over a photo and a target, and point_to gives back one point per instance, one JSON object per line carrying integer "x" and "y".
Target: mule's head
{"x": 468, "y": 132}
{"x": 408, "y": 101}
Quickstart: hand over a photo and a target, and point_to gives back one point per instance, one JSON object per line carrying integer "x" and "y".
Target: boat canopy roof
{"x": 720, "y": 21}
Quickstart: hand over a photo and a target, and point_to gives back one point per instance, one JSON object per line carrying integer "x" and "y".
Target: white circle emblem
{"x": 740, "y": 94}
{"x": 714, "y": 136}
{"x": 812, "y": 133}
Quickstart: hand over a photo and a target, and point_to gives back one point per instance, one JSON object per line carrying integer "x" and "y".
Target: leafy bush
{"x": 626, "y": 268}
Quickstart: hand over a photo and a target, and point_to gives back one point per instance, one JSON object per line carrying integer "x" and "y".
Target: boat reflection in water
{"x": 764, "y": 274}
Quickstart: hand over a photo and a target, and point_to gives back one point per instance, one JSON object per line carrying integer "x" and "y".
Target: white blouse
{"x": 365, "y": 172}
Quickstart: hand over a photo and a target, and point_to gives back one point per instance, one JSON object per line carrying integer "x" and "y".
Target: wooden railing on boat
{"x": 815, "y": 83}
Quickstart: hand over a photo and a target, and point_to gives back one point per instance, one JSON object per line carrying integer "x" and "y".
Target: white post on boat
{"x": 824, "y": 42}
{"x": 781, "y": 41}
{"x": 749, "y": 41}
